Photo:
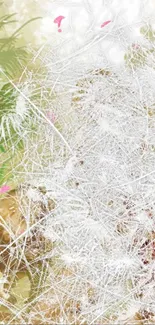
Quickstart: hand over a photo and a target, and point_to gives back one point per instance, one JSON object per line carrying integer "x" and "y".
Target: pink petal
{"x": 135, "y": 46}
{"x": 106, "y": 23}
{"x": 58, "y": 20}
{"x": 51, "y": 116}
{"x": 4, "y": 188}
{"x": 20, "y": 232}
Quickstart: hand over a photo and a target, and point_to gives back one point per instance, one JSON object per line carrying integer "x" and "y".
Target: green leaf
{"x": 21, "y": 289}
{"x": 135, "y": 58}
{"x": 28, "y": 22}
{"x": 4, "y": 20}
{"x": 7, "y": 100}
{"x": 16, "y": 33}
{"x": 4, "y": 41}
{"x": 2, "y": 148}
{"x": 148, "y": 33}
{"x": 11, "y": 60}
{"x": 2, "y": 169}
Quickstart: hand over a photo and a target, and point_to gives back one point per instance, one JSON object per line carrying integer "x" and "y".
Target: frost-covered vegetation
{"x": 77, "y": 156}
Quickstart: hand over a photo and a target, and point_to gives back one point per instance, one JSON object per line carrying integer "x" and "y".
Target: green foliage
{"x": 148, "y": 33}
{"x": 8, "y": 99}
{"x": 12, "y": 57}
{"x": 10, "y": 139}
{"x": 21, "y": 289}
{"x": 12, "y": 60}
{"x": 5, "y": 20}
{"x": 2, "y": 149}
{"x": 4, "y": 172}
{"x": 135, "y": 57}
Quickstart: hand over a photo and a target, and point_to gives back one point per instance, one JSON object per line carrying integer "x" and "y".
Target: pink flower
{"x": 135, "y": 46}
{"x": 106, "y": 23}
{"x": 20, "y": 232}
{"x": 51, "y": 116}
{"x": 4, "y": 188}
{"x": 58, "y": 20}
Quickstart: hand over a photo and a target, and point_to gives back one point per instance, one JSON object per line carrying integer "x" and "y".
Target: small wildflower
{"x": 4, "y": 189}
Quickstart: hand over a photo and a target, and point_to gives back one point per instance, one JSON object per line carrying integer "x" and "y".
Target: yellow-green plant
{"x": 13, "y": 110}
